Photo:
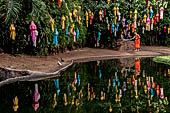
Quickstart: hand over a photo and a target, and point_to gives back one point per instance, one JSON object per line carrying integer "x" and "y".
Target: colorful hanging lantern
{"x": 65, "y": 99}
{"x": 15, "y": 106}
{"x": 100, "y": 15}
{"x": 115, "y": 34}
{"x": 117, "y": 27}
{"x": 154, "y": 18}
{"x": 162, "y": 93}
{"x": 113, "y": 28}
{"x": 87, "y": 18}
{"x": 91, "y": 19}
{"x": 152, "y": 24}
{"x": 55, "y": 40}
{"x": 63, "y": 21}
{"x": 143, "y": 30}
{"x": 161, "y": 12}
{"x": 99, "y": 34}
{"x": 67, "y": 31}
{"x": 157, "y": 90}
{"x": 71, "y": 29}
{"x": 70, "y": 15}
{"x": 164, "y": 28}
{"x": 108, "y": 26}
{"x": 119, "y": 16}
{"x": 79, "y": 20}
{"x": 115, "y": 9}
{"x": 129, "y": 26}
{"x": 145, "y": 18}
{"x": 33, "y": 29}
{"x": 75, "y": 13}
{"x": 74, "y": 36}
{"x": 52, "y": 24}
{"x": 108, "y": 1}
{"x": 130, "y": 13}
{"x": 105, "y": 12}
{"x": 133, "y": 29}
{"x": 157, "y": 17}
{"x": 13, "y": 33}
{"x": 148, "y": 23}
{"x": 165, "y": 4}
{"x": 115, "y": 20}
{"x": 135, "y": 25}
{"x": 139, "y": 23}
{"x": 123, "y": 20}
{"x": 151, "y": 12}
{"x": 77, "y": 32}
{"x": 169, "y": 29}
{"x": 136, "y": 13}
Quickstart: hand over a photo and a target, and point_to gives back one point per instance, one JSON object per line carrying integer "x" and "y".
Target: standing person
{"x": 137, "y": 41}
{"x": 128, "y": 35}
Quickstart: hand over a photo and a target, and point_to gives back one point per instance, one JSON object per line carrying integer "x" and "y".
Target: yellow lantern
{"x": 114, "y": 11}
{"x": 117, "y": 9}
{"x": 110, "y": 109}
{"x": 54, "y": 100}
{"x": 136, "y": 13}
{"x": 144, "y": 19}
{"x": 87, "y": 18}
{"x": 75, "y": 13}
{"x": 129, "y": 29}
{"x": 108, "y": 1}
{"x": 13, "y": 33}
{"x": 90, "y": 13}
{"x": 136, "y": 94}
{"x": 88, "y": 97}
{"x": 139, "y": 23}
{"x": 72, "y": 102}
{"x": 115, "y": 20}
{"x": 102, "y": 96}
{"x": 108, "y": 26}
{"x": 169, "y": 30}
{"x": 63, "y": 21}
{"x": 52, "y": 24}
{"x": 100, "y": 15}
{"x": 130, "y": 13}
{"x": 70, "y": 15}
{"x": 79, "y": 21}
{"x": 65, "y": 99}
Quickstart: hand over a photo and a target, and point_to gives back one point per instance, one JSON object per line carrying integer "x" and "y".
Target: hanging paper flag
{"x": 151, "y": 12}
{"x": 136, "y": 13}
{"x": 33, "y": 29}
{"x": 100, "y": 15}
{"x": 161, "y": 12}
{"x": 52, "y": 24}
{"x": 15, "y": 106}
{"x": 67, "y": 31}
{"x": 99, "y": 35}
{"x": 145, "y": 18}
{"x": 164, "y": 28}
{"x": 55, "y": 40}
{"x": 77, "y": 32}
{"x": 100, "y": 74}
{"x": 74, "y": 36}
{"x": 63, "y": 21}
{"x": 13, "y": 33}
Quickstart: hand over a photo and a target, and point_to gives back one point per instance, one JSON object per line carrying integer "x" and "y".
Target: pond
{"x": 119, "y": 85}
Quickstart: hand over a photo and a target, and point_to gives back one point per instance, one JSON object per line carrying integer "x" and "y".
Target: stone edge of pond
{"x": 28, "y": 74}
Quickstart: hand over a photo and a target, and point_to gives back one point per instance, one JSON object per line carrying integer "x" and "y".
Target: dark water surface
{"x": 120, "y": 85}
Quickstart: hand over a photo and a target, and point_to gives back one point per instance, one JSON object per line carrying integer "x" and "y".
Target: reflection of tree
{"x": 89, "y": 74}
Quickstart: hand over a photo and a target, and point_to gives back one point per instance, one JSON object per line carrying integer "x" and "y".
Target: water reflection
{"x": 106, "y": 86}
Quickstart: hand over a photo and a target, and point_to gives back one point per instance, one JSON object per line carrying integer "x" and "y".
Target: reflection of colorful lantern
{"x": 151, "y": 12}
{"x": 108, "y": 1}
{"x": 63, "y": 22}
{"x": 100, "y": 15}
{"x": 130, "y": 13}
{"x": 162, "y": 93}
{"x": 13, "y": 33}
{"x": 123, "y": 20}
{"x": 143, "y": 30}
{"x": 157, "y": 90}
{"x": 145, "y": 18}
{"x": 114, "y": 11}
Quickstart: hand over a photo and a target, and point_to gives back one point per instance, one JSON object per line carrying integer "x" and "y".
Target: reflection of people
{"x": 137, "y": 66}
{"x": 137, "y": 41}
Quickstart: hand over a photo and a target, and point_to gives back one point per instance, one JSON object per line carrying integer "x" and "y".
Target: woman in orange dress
{"x": 137, "y": 41}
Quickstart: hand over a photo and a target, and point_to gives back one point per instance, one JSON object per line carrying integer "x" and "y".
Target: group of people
{"x": 125, "y": 35}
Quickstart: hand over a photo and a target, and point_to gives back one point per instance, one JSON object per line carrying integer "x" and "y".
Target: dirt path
{"x": 49, "y": 63}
